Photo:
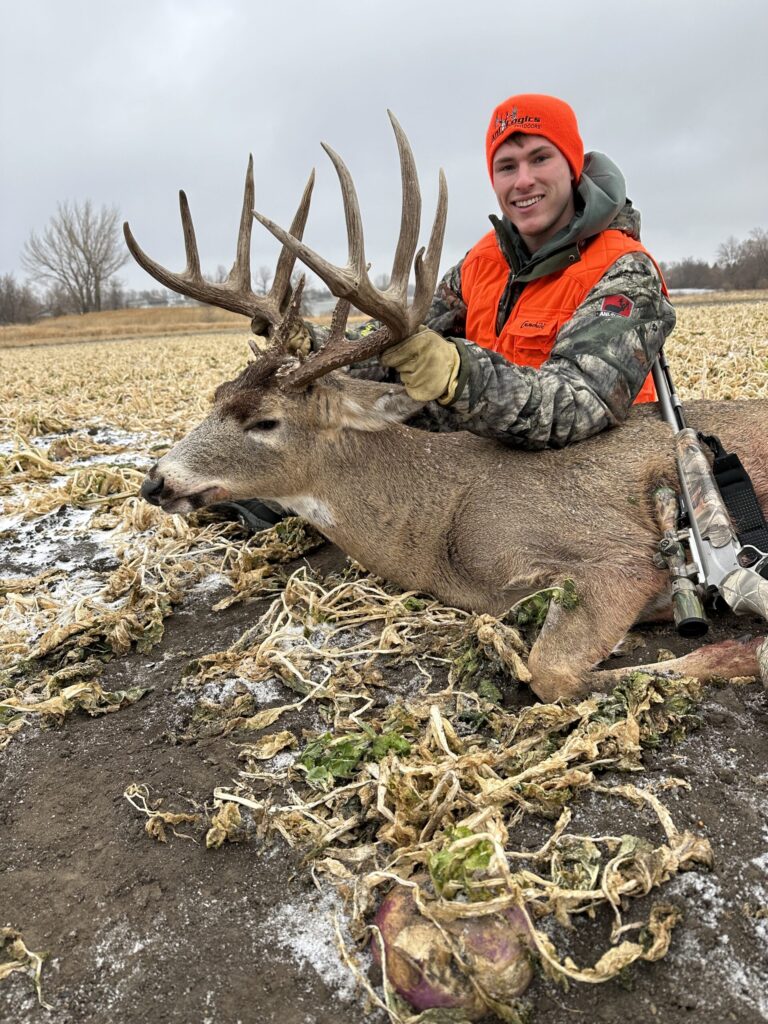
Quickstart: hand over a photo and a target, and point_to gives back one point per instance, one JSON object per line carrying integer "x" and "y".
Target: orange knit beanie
{"x": 534, "y": 114}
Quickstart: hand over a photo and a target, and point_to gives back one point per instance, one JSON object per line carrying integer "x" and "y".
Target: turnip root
{"x": 493, "y": 964}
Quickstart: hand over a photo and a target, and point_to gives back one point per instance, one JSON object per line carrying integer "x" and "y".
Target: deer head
{"x": 274, "y": 431}
{"x": 264, "y": 440}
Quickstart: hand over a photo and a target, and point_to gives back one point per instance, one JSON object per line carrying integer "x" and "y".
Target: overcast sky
{"x": 126, "y": 101}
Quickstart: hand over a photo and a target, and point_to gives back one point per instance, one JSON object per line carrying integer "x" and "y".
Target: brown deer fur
{"x": 474, "y": 523}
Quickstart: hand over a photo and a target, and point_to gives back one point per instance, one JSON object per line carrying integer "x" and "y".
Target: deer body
{"x": 474, "y": 523}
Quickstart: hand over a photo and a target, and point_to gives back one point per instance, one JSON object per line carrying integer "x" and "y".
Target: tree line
{"x": 739, "y": 266}
{"x": 73, "y": 263}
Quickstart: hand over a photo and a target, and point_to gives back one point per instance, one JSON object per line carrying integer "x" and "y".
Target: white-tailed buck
{"x": 474, "y": 523}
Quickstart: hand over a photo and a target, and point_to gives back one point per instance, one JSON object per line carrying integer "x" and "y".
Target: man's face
{"x": 533, "y": 184}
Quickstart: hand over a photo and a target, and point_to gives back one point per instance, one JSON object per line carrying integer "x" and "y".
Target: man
{"x": 545, "y": 332}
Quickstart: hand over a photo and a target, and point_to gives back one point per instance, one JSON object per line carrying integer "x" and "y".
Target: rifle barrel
{"x": 671, "y": 406}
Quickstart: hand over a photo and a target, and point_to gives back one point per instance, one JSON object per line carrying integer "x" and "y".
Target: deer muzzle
{"x": 152, "y": 488}
{"x": 157, "y": 490}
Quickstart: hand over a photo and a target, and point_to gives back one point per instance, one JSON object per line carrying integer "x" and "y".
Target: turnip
{"x": 423, "y": 968}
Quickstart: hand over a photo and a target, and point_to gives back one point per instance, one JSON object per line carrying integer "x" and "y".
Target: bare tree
{"x": 57, "y": 301}
{"x": 18, "y": 303}
{"x": 80, "y": 249}
{"x": 115, "y": 296}
{"x": 263, "y": 280}
{"x": 729, "y": 253}
{"x": 745, "y": 264}
{"x": 692, "y": 273}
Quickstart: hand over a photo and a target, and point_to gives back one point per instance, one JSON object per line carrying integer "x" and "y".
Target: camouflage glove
{"x": 298, "y": 343}
{"x": 428, "y": 365}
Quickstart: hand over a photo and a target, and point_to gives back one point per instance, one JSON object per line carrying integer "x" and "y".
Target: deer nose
{"x": 151, "y": 489}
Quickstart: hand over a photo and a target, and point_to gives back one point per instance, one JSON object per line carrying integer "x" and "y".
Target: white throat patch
{"x": 312, "y": 509}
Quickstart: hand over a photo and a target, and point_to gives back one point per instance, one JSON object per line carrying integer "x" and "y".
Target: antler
{"x": 235, "y": 293}
{"x": 352, "y": 283}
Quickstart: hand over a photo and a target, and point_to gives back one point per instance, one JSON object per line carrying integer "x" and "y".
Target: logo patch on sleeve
{"x": 616, "y": 305}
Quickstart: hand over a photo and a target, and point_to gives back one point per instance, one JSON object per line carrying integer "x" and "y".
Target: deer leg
{"x": 729, "y": 659}
{"x": 572, "y": 641}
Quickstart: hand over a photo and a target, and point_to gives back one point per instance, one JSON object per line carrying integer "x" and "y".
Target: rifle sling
{"x": 738, "y": 495}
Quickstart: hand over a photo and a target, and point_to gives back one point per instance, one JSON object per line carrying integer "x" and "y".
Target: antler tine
{"x": 426, "y": 268}
{"x": 352, "y": 282}
{"x": 235, "y": 293}
{"x": 192, "y": 270}
{"x": 191, "y": 282}
{"x": 354, "y": 220}
{"x": 281, "y": 284}
{"x": 342, "y": 281}
{"x": 410, "y": 217}
{"x": 240, "y": 274}
{"x": 292, "y": 314}
{"x": 186, "y": 283}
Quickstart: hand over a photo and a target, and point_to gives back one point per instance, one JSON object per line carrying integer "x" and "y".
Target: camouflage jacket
{"x": 597, "y": 364}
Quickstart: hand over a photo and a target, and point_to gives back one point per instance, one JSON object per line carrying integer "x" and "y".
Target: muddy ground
{"x": 137, "y": 930}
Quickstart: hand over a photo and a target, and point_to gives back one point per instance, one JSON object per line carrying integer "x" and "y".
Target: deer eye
{"x": 263, "y": 425}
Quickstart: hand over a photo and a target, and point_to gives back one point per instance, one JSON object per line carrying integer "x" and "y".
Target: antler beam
{"x": 235, "y": 293}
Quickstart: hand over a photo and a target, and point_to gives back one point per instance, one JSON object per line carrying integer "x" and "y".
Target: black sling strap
{"x": 738, "y": 494}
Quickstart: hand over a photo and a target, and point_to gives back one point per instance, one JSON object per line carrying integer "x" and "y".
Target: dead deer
{"x": 474, "y": 523}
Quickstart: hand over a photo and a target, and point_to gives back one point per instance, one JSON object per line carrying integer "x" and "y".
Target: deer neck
{"x": 368, "y": 484}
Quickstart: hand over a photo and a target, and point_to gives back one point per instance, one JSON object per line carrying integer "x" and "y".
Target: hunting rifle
{"x": 722, "y": 562}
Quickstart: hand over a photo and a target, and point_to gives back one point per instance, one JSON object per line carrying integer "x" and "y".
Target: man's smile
{"x": 523, "y": 204}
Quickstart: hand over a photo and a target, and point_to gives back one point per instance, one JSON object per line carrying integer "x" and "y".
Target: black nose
{"x": 151, "y": 488}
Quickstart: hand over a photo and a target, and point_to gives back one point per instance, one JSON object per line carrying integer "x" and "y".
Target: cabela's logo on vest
{"x": 510, "y": 119}
{"x": 616, "y": 305}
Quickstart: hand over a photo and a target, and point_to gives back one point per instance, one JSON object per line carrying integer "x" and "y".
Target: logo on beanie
{"x": 616, "y": 305}
{"x": 511, "y": 119}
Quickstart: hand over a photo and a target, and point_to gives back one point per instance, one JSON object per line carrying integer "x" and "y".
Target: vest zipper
{"x": 509, "y": 299}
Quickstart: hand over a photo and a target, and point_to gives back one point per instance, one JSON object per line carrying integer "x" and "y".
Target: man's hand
{"x": 428, "y": 365}
{"x": 298, "y": 342}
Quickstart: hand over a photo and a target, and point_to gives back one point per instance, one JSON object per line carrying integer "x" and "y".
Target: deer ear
{"x": 393, "y": 406}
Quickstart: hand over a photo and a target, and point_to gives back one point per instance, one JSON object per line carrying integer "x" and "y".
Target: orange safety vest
{"x": 544, "y": 305}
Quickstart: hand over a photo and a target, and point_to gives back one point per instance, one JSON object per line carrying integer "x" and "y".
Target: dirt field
{"x": 135, "y": 929}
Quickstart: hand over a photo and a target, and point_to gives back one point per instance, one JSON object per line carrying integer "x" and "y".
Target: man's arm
{"x": 594, "y": 372}
{"x": 448, "y": 313}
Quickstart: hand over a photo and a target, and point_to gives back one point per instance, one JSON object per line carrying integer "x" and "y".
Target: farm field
{"x": 125, "y": 324}
{"x": 177, "y": 835}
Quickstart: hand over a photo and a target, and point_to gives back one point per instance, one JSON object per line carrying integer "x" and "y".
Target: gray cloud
{"x": 125, "y": 103}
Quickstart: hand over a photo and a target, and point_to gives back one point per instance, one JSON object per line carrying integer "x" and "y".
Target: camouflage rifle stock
{"x": 721, "y": 562}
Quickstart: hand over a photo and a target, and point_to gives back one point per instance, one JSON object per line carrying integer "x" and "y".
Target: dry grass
{"x": 164, "y": 384}
{"x": 128, "y": 323}
{"x": 715, "y": 298}
{"x": 122, "y": 323}
{"x": 720, "y": 350}
{"x": 58, "y": 626}
{"x": 158, "y": 322}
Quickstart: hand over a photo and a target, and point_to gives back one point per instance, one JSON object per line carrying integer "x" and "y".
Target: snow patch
{"x": 306, "y": 931}
{"x": 223, "y": 691}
